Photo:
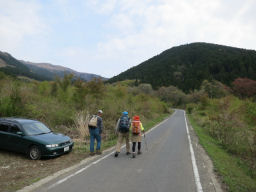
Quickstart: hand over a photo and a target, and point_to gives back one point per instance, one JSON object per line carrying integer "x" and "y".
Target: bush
{"x": 244, "y": 87}
{"x": 11, "y": 104}
{"x": 190, "y": 107}
{"x": 251, "y": 111}
{"x": 231, "y": 122}
{"x": 214, "y": 89}
{"x": 172, "y": 95}
{"x": 146, "y": 89}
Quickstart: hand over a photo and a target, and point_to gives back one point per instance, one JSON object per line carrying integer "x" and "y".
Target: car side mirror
{"x": 20, "y": 133}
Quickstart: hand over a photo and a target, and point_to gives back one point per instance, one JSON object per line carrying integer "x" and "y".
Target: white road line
{"x": 95, "y": 162}
{"x": 195, "y": 169}
{"x": 79, "y": 171}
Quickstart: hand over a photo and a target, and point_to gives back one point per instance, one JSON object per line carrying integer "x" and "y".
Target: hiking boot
{"x": 139, "y": 152}
{"x": 116, "y": 154}
{"x": 92, "y": 153}
{"x": 128, "y": 153}
{"x": 133, "y": 155}
{"x": 98, "y": 152}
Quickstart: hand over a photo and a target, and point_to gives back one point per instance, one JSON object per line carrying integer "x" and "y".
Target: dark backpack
{"x": 124, "y": 124}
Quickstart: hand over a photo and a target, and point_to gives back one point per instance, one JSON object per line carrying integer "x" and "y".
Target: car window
{"x": 4, "y": 127}
{"x": 14, "y": 129}
{"x": 35, "y": 128}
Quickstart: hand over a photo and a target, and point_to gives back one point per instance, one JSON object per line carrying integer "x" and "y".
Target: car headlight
{"x": 52, "y": 145}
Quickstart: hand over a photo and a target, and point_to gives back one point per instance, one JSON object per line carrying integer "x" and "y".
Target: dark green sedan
{"x": 32, "y": 138}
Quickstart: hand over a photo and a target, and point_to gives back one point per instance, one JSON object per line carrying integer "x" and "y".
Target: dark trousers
{"x": 134, "y": 146}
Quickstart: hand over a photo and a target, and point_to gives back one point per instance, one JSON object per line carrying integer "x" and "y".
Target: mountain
{"x": 51, "y": 71}
{"x": 186, "y": 66}
{"x": 14, "y": 67}
{"x": 38, "y": 71}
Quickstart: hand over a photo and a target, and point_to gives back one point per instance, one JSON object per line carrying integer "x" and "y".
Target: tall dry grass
{"x": 81, "y": 125}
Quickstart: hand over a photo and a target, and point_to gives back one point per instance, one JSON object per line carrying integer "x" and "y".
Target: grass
{"x": 233, "y": 171}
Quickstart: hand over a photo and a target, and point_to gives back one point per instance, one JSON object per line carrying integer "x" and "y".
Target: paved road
{"x": 166, "y": 166}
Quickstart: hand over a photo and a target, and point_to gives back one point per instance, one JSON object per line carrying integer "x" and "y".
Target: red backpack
{"x": 136, "y": 129}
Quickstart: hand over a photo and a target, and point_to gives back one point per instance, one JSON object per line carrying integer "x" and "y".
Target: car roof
{"x": 16, "y": 120}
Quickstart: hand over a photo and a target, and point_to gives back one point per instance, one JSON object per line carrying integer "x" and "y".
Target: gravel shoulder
{"x": 208, "y": 177}
{"x": 17, "y": 171}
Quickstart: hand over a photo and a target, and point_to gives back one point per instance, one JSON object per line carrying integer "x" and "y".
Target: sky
{"x": 107, "y": 37}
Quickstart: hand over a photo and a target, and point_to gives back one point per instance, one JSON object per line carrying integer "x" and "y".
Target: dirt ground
{"x": 17, "y": 171}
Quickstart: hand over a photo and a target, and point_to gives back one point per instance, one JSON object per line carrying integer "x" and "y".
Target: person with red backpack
{"x": 123, "y": 128}
{"x": 137, "y": 128}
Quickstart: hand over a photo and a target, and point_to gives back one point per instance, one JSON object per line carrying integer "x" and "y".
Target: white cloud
{"x": 18, "y": 19}
{"x": 105, "y": 7}
{"x": 145, "y": 28}
{"x": 121, "y": 33}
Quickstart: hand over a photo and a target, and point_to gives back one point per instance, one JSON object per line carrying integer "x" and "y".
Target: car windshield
{"x": 35, "y": 128}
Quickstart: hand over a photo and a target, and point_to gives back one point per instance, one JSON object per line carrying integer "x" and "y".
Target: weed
{"x": 234, "y": 171}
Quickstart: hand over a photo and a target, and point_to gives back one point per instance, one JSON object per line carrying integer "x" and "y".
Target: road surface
{"x": 165, "y": 166}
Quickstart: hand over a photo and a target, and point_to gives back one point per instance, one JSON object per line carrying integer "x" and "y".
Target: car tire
{"x": 34, "y": 152}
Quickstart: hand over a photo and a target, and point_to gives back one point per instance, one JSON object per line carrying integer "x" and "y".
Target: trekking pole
{"x": 145, "y": 141}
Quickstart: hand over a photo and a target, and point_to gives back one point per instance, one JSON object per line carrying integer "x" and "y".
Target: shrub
{"x": 251, "y": 111}
{"x": 214, "y": 89}
{"x": 146, "y": 89}
{"x": 231, "y": 122}
{"x": 172, "y": 95}
{"x": 190, "y": 107}
{"x": 244, "y": 87}
{"x": 96, "y": 88}
{"x": 11, "y": 104}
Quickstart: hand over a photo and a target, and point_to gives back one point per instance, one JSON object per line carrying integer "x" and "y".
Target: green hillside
{"x": 14, "y": 67}
{"x": 188, "y": 65}
{"x": 39, "y": 71}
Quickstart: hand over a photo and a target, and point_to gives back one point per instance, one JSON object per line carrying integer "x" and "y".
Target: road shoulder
{"x": 209, "y": 179}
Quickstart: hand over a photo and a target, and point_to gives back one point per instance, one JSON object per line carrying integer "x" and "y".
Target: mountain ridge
{"x": 39, "y": 71}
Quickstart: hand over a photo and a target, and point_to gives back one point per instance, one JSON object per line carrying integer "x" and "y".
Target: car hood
{"x": 50, "y": 138}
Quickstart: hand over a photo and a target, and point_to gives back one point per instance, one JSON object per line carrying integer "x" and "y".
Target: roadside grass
{"x": 233, "y": 171}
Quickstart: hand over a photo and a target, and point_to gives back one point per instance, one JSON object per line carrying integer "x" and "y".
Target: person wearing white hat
{"x": 95, "y": 128}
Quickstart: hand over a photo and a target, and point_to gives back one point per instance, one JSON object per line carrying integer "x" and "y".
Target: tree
{"x": 244, "y": 87}
{"x": 146, "y": 88}
{"x": 173, "y": 95}
{"x": 65, "y": 82}
{"x": 214, "y": 89}
{"x": 96, "y": 87}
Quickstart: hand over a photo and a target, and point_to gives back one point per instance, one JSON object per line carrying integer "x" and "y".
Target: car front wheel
{"x": 34, "y": 153}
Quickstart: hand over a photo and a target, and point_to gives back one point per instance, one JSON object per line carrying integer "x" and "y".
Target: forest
{"x": 187, "y": 66}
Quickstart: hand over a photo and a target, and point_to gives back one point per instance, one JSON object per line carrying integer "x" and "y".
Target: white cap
{"x": 100, "y": 111}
